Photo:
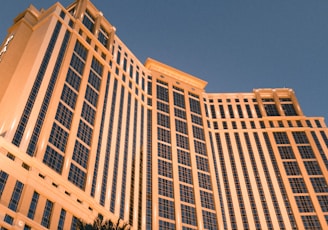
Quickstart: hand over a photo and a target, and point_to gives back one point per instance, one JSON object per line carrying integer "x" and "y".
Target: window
{"x": 163, "y": 107}
{"x": 319, "y": 184}
{"x": 15, "y": 197}
{"x": 165, "y": 187}
{"x": 311, "y": 222}
{"x": 182, "y": 141}
{"x": 58, "y": 137}
{"x": 85, "y": 133}
{"x": 194, "y": 106}
{"x": 292, "y": 168}
{"x": 196, "y": 119}
{"x": 298, "y": 185}
{"x": 181, "y": 126}
{"x": 33, "y": 205}
{"x": 94, "y": 80}
{"x": 185, "y": 175}
{"x": 200, "y": 147}
{"x": 165, "y": 168}
{"x": 69, "y": 96}
{"x": 188, "y": 214}
{"x": 77, "y": 176}
{"x": 179, "y": 100}
{"x": 304, "y": 204}
{"x": 81, "y": 154}
{"x": 103, "y": 36}
{"x": 210, "y": 221}
{"x": 202, "y": 163}
{"x": 271, "y": 110}
{"x": 88, "y": 113}
{"x": 312, "y": 168}
{"x": 184, "y": 157}
{"x": 306, "y": 152}
{"x": 53, "y": 159}
{"x": 289, "y": 109}
{"x": 91, "y": 96}
{"x": 73, "y": 79}
{"x": 64, "y": 115}
{"x": 198, "y": 132}
{"x": 3, "y": 180}
{"x": 164, "y": 151}
{"x": 204, "y": 181}
{"x": 281, "y": 137}
{"x": 47, "y": 214}
{"x": 323, "y": 200}
{"x": 207, "y": 200}
{"x": 88, "y": 20}
{"x": 61, "y": 221}
{"x": 187, "y": 194}
{"x": 164, "y": 135}
{"x": 163, "y": 225}
{"x": 162, "y": 93}
{"x": 300, "y": 138}
{"x": 163, "y": 120}
{"x": 166, "y": 208}
{"x": 286, "y": 152}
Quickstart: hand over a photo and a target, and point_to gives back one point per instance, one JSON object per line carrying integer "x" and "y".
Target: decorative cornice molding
{"x": 180, "y": 76}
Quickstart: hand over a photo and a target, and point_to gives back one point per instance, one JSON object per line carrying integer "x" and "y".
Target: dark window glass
{"x": 53, "y": 159}
{"x": 15, "y": 197}
{"x": 33, "y": 205}
{"x": 77, "y": 176}
{"x": 47, "y": 214}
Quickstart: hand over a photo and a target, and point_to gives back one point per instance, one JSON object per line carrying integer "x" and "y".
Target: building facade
{"x": 87, "y": 130}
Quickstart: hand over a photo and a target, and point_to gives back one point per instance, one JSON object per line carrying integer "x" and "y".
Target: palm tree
{"x": 99, "y": 224}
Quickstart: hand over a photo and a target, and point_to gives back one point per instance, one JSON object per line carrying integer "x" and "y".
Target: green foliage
{"x": 99, "y": 224}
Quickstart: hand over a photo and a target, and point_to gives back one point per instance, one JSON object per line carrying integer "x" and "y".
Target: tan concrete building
{"x": 88, "y": 130}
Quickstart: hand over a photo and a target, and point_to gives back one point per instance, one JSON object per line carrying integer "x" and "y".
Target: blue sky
{"x": 234, "y": 45}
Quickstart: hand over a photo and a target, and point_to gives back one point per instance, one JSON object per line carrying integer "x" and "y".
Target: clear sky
{"x": 234, "y": 45}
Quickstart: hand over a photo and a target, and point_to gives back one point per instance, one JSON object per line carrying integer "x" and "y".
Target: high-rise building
{"x": 87, "y": 130}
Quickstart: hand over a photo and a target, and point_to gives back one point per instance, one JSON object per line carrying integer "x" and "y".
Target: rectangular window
{"x": 164, "y": 135}
{"x": 15, "y": 197}
{"x": 69, "y": 96}
{"x": 319, "y": 184}
{"x": 85, "y": 133}
{"x": 73, "y": 79}
{"x": 88, "y": 20}
{"x": 34, "y": 203}
{"x": 64, "y": 115}
{"x": 300, "y": 138}
{"x": 163, "y": 120}
{"x": 61, "y": 221}
{"x": 298, "y": 185}
{"x": 204, "y": 181}
{"x": 188, "y": 214}
{"x": 165, "y": 187}
{"x": 185, "y": 175}
{"x": 8, "y": 219}
{"x": 88, "y": 113}
{"x": 77, "y": 176}
{"x": 304, "y": 204}
{"x": 53, "y": 159}
{"x": 187, "y": 194}
{"x": 81, "y": 154}
{"x": 289, "y": 109}
{"x": 165, "y": 168}
{"x": 194, "y": 106}
{"x": 3, "y": 180}
{"x": 47, "y": 214}
{"x": 162, "y": 93}
{"x": 166, "y": 209}
{"x": 58, "y": 137}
